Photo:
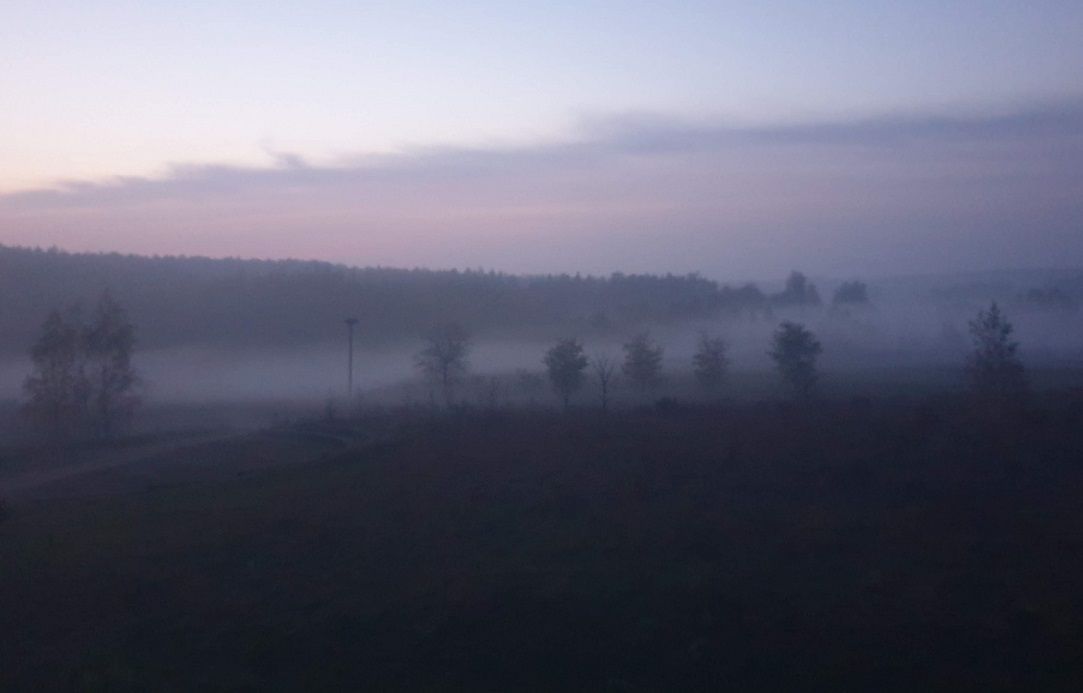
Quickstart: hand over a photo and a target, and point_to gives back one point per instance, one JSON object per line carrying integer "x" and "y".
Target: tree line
{"x": 254, "y": 303}
{"x": 994, "y": 370}
{"x": 83, "y": 380}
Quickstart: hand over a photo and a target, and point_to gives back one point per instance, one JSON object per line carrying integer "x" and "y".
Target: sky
{"x": 733, "y": 139}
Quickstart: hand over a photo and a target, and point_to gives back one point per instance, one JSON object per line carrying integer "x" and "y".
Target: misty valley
{"x": 504, "y": 347}
{"x": 234, "y": 331}
{"x": 249, "y": 475}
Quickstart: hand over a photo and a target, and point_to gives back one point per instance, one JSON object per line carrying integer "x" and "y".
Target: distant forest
{"x": 232, "y": 302}
{"x": 178, "y": 300}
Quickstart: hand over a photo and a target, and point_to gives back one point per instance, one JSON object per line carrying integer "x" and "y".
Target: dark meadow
{"x": 631, "y": 482}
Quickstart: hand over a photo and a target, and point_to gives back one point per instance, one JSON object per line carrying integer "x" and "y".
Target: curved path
{"x": 28, "y": 482}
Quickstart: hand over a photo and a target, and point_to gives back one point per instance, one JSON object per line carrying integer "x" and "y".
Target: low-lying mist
{"x": 883, "y": 341}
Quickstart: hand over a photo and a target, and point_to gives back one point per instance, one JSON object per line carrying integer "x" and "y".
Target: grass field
{"x": 853, "y": 544}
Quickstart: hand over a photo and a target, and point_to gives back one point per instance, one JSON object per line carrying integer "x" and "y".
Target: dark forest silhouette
{"x": 183, "y": 300}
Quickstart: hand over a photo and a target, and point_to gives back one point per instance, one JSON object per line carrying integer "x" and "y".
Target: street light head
{"x": 351, "y": 321}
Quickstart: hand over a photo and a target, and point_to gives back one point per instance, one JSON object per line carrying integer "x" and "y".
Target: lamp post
{"x": 350, "y": 323}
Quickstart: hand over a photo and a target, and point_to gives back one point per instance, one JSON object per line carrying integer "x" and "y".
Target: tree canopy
{"x": 642, "y": 362}
{"x": 795, "y": 350}
{"x": 82, "y": 378}
{"x": 994, "y": 367}
{"x": 566, "y": 364}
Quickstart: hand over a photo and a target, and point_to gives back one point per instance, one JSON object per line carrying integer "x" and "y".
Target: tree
{"x": 55, "y": 387}
{"x": 799, "y": 291}
{"x": 112, "y": 381}
{"x": 83, "y": 376}
{"x": 566, "y": 364}
{"x": 443, "y": 360}
{"x": 710, "y": 361}
{"x": 642, "y": 362}
{"x": 994, "y": 368}
{"x": 794, "y": 351}
{"x": 605, "y": 370}
{"x": 854, "y": 293}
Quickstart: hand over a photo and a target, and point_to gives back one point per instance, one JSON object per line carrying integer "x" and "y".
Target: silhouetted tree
{"x": 443, "y": 360}
{"x": 566, "y": 364}
{"x": 794, "y": 350}
{"x": 994, "y": 367}
{"x": 112, "y": 381}
{"x": 710, "y": 361}
{"x": 642, "y": 362}
{"x": 853, "y": 293}
{"x": 605, "y": 370}
{"x": 82, "y": 375}
{"x": 799, "y": 291}
{"x": 56, "y": 387}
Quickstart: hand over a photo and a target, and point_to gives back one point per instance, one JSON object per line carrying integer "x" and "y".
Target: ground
{"x": 843, "y": 544}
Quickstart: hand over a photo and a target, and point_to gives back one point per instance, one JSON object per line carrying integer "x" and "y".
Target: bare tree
{"x": 605, "y": 370}
{"x": 642, "y": 362}
{"x": 710, "y": 361}
{"x": 565, "y": 364}
{"x": 994, "y": 368}
{"x": 108, "y": 342}
{"x": 443, "y": 360}
{"x": 794, "y": 351}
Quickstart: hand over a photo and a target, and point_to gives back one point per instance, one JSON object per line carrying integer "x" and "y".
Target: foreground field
{"x": 853, "y": 544}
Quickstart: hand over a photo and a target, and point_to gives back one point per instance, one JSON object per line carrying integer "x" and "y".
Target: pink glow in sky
{"x": 896, "y": 136}
{"x": 887, "y": 195}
